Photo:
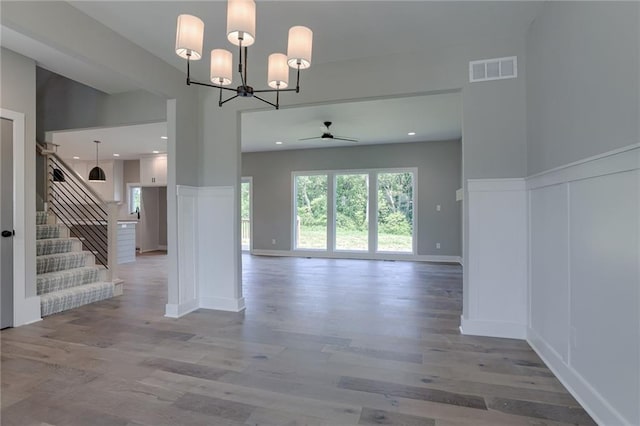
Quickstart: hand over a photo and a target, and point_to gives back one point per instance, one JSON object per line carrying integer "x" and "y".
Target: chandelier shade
{"x": 189, "y": 37}
{"x": 278, "y": 72}
{"x": 241, "y": 31}
{"x": 299, "y": 47}
{"x": 221, "y": 67}
{"x": 241, "y": 22}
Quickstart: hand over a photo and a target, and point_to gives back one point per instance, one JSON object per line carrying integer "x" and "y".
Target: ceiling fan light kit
{"x": 241, "y": 31}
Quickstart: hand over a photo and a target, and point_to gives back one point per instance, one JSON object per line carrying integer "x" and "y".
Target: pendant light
{"x": 97, "y": 174}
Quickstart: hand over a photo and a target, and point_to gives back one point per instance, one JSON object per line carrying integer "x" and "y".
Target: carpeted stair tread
{"x": 62, "y": 261}
{"x": 57, "y": 245}
{"x": 74, "y": 297}
{"x": 42, "y": 218}
{"x": 61, "y": 280}
{"x": 51, "y": 231}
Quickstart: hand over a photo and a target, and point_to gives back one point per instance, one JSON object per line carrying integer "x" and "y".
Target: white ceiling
{"x": 131, "y": 142}
{"x": 342, "y": 29}
{"x": 432, "y": 117}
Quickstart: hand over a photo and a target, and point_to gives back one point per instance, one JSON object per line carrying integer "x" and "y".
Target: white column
{"x": 497, "y": 261}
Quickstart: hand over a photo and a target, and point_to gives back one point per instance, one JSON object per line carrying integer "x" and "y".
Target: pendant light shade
{"x": 221, "y": 67}
{"x": 241, "y": 22}
{"x": 97, "y": 174}
{"x": 189, "y": 37}
{"x": 299, "y": 47}
{"x": 278, "y": 72}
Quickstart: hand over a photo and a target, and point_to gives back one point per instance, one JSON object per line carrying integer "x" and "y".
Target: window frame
{"x": 372, "y": 173}
{"x": 130, "y": 187}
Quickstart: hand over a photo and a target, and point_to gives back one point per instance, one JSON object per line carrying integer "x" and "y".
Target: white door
{"x": 6, "y": 223}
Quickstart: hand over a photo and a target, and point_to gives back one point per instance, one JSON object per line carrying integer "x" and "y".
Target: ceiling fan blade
{"x": 310, "y": 139}
{"x": 340, "y": 138}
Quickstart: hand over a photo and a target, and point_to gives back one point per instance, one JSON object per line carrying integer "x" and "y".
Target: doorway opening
{"x": 246, "y": 204}
{"x": 6, "y": 223}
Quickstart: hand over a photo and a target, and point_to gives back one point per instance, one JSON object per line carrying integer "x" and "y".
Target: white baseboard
{"x": 588, "y": 397}
{"x": 359, "y": 256}
{"x": 222, "y": 304}
{"x": 174, "y": 310}
{"x": 27, "y": 312}
{"x": 493, "y": 328}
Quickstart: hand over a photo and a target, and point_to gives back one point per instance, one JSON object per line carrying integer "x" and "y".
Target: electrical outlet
{"x": 273, "y": 242}
{"x": 437, "y": 245}
{"x": 438, "y": 208}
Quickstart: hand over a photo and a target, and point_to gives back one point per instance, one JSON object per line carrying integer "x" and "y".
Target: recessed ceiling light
{"x": 116, "y": 155}
{"x": 411, "y": 133}
{"x": 163, "y": 137}
{"x": 156, "y": 152}
{"x": 75, "y": 157}
{"x": 279, "y": 143}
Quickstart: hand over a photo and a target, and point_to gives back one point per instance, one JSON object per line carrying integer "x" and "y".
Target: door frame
{"x": 248, "y": 179}
{"x": 26, "y": 309}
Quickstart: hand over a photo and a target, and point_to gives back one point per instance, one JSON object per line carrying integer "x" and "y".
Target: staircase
{"x": 67, "y": 277}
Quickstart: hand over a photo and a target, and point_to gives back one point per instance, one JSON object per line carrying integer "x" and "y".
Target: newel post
{"x": 112, "y": 238}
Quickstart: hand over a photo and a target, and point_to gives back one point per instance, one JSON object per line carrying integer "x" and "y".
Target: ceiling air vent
{"x": 493, "y": 69}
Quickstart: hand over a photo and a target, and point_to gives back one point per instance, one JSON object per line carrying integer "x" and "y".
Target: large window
{"x": 310, "y": 212}
{"x": 368, "y": 211}
{"x": 352, "y": 212}
{"x": 395, "y": 212}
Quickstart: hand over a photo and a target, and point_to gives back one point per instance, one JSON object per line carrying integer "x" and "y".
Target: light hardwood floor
{"x": 322, "y": 342}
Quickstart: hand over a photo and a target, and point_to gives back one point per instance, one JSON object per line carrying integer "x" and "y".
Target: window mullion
{"x": 331, "y": 212}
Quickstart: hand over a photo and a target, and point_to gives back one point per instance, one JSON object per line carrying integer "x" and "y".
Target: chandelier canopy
{"x": 241, "y": 31}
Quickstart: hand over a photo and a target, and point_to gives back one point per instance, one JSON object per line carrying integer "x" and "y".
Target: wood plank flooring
{"x": 322, "y": 342}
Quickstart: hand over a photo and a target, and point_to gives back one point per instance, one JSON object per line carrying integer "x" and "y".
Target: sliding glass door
{"x": 352, "y": 212}
{"x": 370, "y": 211}
{"x": 395, "y": 212}
{"x": 310, "y": 216}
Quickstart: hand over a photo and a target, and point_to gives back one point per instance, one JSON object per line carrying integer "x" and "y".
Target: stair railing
{"x": 81, "y": 209}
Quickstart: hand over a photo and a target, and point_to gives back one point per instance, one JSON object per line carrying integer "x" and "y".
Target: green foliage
{"x": 395, "y": 224}
{"x": 395, "y": 203}
{"x": 244, "y": 200}
{"x": 352, "y": 193}
{"x": 312, "y": 200}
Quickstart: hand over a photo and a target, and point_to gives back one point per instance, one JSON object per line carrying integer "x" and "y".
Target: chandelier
{"x": 241, "y": 31}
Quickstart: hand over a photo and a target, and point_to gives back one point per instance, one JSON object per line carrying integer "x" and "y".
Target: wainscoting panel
{"x": 187, "y": 252}
{"x": 218, "y": 250}
{"x": 497, "y": 264}
{"x": 549, "y": 267}
{"x": 585, "y": 281}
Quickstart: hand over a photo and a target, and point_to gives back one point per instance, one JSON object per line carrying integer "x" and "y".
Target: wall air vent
{"x": 493, "y": 69}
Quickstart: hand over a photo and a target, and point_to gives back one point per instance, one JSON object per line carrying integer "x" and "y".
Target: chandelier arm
{"x": 298, "y": 79}
{"x": 214, "y": 85}
{"x": 226, "y": 100}
{"x": 273, "y": 90}
{"x": 276, "y": 106}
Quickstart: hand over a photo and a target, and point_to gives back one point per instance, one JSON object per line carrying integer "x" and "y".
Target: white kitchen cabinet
{"x": 153, "y": 170}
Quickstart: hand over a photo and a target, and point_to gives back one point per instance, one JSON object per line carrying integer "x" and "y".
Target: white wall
{"x": 17, "y": 75}
{"x": 92, "y": 42}
{"x": 585, "y": 281}
{"x": 583, "y": 100}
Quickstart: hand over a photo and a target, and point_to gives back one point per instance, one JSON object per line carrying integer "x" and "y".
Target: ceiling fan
{"x": 327, "y": 135}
